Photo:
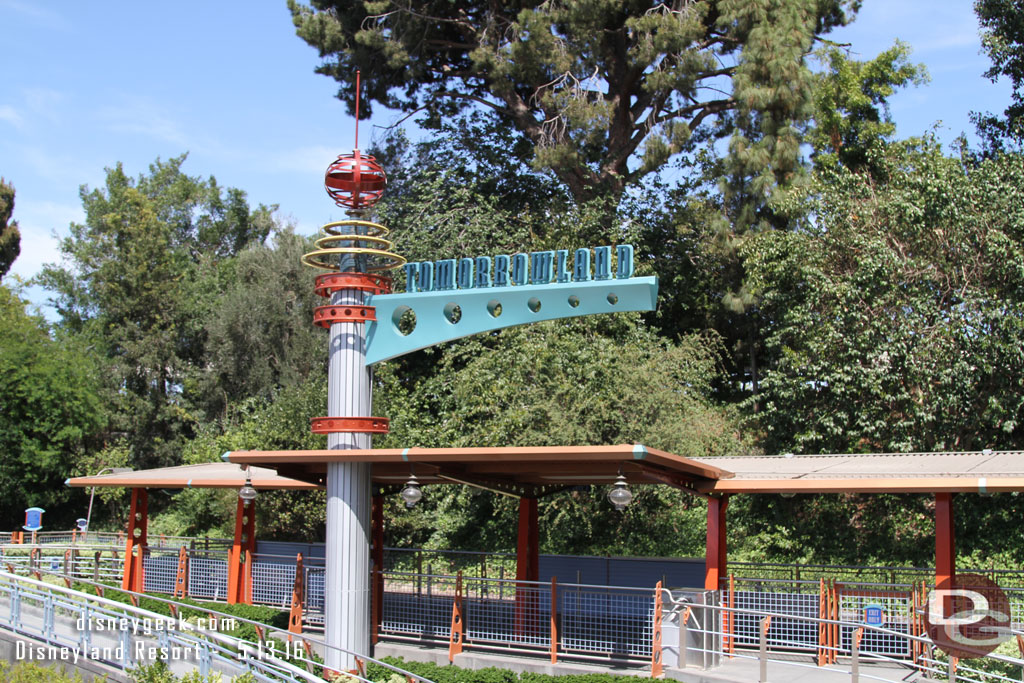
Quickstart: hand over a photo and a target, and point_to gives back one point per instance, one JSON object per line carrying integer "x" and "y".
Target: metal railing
{"x": 862, "y": 573}
{"x": 702, "y": 636}
{"x": 124, "y": 636}
{"x": 811, "y": 624}
{"x": 560, "y": 619}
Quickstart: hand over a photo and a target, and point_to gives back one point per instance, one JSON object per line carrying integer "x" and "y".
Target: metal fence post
{"x": 656, "y": 663}
{"x": 456, "y": 632}
{"x": 684, "y": 617}
{"x": 762, "y": 653}
{"x": 855, "y": 655}
{"x": 181, "y": 576}
{"x": 298, "y": 598}
{"x": 554, "y": 620}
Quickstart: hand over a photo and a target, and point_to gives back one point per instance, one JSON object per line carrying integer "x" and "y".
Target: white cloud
{"x": 38, "y": 221}
{"x": 145, "y": 117}
{"x": 11, "y": 116}
{"x": 307, "y": 159}
{"x": 44, "y": 103}
{"x": 38, "y": 12}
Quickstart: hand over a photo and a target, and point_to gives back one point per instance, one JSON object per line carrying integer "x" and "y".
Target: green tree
{"x": 896, "y": 317}
{"x": 1002, "y": 37}
{"x": 10, "y": 236}
{"x": 589, "y": 84}
{"x": 261, "y": 336}
{"x": 257, "y": 424}
{"x": 851, "y": 103}
{"x": 49, "y": 411}
{"x": 589, "y": 381}
{"x": 138, "y": 278}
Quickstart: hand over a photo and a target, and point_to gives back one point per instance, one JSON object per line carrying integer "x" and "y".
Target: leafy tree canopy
{"x": 260, "y": 338}
{"x": 10, "y": 236}
{"x": 896, "y": 318}
{"x": 1002, "y": 37}
{"x": 49, "y": 411}
{"x": 136, "y": 281}
{"x": 851, "y": 103}
{"x": 589, "y": 83}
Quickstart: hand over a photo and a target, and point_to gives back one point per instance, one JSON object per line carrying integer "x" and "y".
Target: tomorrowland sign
{"x": 453, "y": 298}
{"x": 519, "y": 270}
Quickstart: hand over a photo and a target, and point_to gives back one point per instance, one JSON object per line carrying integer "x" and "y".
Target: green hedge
{"x": 455, "y": 674}
{"x": 31, "y": 672}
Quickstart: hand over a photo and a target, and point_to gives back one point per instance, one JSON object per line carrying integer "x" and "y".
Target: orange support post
{"x": 136, "y": 546}
{"x": 298, "y": 598}
{"x": 822, "y": 614}
{"x": 656, "y": 664}
{"x": 945, "y": 546}
{"x": 455, "y": 634}
{"x": 730, "y": 616}
{"x": 181, "y": 579}
{"x": 836, "y": 588}
{"x": 240, "y": 557}
{"x": 715, "y": 562}
{"x": 377, "y": 532}
{"x": 554, "y": 620}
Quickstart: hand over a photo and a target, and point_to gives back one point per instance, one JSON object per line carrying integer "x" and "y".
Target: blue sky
{"x": 85, "y": 85}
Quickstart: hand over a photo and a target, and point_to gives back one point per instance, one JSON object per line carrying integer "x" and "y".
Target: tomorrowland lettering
{"x": 519, "y": 270}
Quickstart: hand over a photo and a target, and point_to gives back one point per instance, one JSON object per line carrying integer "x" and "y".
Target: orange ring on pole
{"x": 328, "y": 283}
{"x": 325, "y": 316}
{"x": 363, "y": 425}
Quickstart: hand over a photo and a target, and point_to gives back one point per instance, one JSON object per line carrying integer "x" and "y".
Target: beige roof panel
{"x": 210, "y": 475}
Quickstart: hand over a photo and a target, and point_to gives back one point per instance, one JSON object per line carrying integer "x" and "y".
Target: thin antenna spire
{"x": 357, "y": 106}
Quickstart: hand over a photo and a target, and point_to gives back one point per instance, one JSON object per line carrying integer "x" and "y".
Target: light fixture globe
{"x": 620, "y": 496}
{"x": 411, "y": 494}
{"x": 247, "y": 493}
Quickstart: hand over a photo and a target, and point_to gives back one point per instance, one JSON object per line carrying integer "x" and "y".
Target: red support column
{"x": 135, "y": 548}
{"x": 715, "y": 556}
{"x": 377, "y": 532}
{"x": 242, "y": 550}
{"x": 945, "y": 546}
{"x": 528, "y": 546}
{"x": 527, "y": 568}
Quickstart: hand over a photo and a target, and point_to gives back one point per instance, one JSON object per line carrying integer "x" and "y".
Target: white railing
{"x": 701, "y": 636}
{"x": 121, "y": 636}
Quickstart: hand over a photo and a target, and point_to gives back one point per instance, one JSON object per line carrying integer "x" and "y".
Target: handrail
{"x": 74, "y": 597}
{"x": 238, "y": 642}
{"x": 681, "y": 605}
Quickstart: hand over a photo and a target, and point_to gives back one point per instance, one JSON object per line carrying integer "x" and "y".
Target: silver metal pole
{"x": 347, "y": 589}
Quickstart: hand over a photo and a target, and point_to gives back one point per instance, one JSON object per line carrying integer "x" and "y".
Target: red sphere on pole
{"x": 355, "y": 181}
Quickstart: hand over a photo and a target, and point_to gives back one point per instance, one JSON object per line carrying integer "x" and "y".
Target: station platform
{"x": 743, "y": 668}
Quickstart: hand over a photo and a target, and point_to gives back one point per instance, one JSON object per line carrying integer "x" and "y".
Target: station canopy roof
{"x": 537, "y": 470}
{"x": 543, "y": 469}
{"x": 223, "y": 475}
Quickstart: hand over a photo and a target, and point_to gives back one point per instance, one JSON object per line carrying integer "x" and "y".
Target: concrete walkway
{"x": 739, "y": 669}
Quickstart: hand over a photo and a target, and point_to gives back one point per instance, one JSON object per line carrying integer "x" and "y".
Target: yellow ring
{"x": 310, "y": 260}
{"x": 325, "y": 242}
{"x": 329, "y": 227}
